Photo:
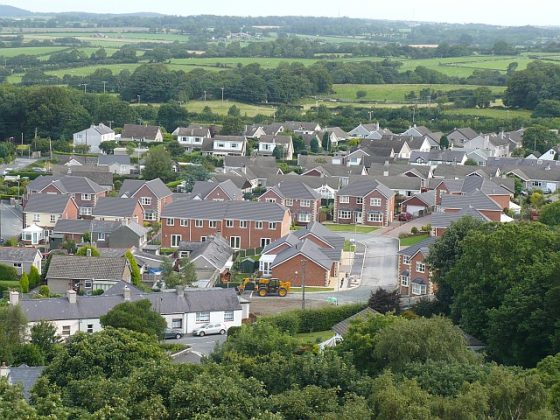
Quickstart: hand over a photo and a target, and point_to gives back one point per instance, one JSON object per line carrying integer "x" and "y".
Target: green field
{"x": 37, "y": 51}
{"x": 220, "y": 107}
{"x": 505, "y": 114}
{"x": 350, "y": 228}
{"x": 395, "y": 93}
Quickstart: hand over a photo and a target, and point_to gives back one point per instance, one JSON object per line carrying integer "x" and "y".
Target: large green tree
{"x": 158, "y": 164}
{"x": 135, "y": 316}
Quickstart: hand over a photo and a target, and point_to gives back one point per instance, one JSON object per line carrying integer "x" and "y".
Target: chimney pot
{"x": 71, "y": 295}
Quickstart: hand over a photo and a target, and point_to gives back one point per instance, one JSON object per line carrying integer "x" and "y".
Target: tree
{"x": 12, "y": 331}
{"x": 135, "y": 316}
{"x": 172, "y": 115}
{"x": 158, "y": 164}
{"x": 326, "y": 141}
{"x": 136, "y": 276}
{"x": 108, "y": 147}
{"x": 550, "y": 214}
{"x": 83, "y": 251}
{"x": 444, "y": 142}
{"x": 44, "y": 335}
{"x": 314, "y": 145}
{"x": 175, "y": 149}
{"x": 547, "y": 108}
{"x": 471, "y": 162}
{"x": 187, "y": 272}
{"x": 8, "y": 273}
{"x": 194, "y": 173}
{"x": 24, "y": 283}
{"x": 539, "y": 139}
{"x": 233, "y": 126}
{"x": 361, "y": 94}
{"x": 279, "y": 152}
{"x": 168, "y": 273}
{"x": 34, "y": 277}
{"x": 384, "y": 301}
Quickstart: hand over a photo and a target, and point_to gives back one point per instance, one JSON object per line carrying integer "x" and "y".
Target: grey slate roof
{"x": 135, "y": 131}
{"x": 26, "y": 376}
{"x": 398, "y": 182}
{"x": 295, "y": 189}
{"x": 242, "y": 161}
{"x": 157, "y": 186}
{"x": 66, "y": 184}
{"x": 46, "y": 203}
{"x": 290, "y": 239}
{"x": 334, "y": 240}
{"x": 422, "y": 246}
{"x": 92, "y": 307}
{"x": 74, "y": 267}
{"x": 218, "y": 210}
{"x": 443, "y": 220}
{"x": 116, "y": 207}
{"x": 449, "y": 156}
{"x": 428, "y": 198}
{"x": 216, "y": 251}
{"x": 279, "y": 139}
{"x": 308, "y": 249}
{"x": 466, "y": 132}
{"x": 338, "y": 132}
{"x": 203, "y": 188}
{"x": 192, "y": 131}
{"x": 362, "y": 187}
{"x": 113, "y": 159}
{"x": 476, "y": 200}
{"x": 19, "y": 254}
{"x": 342, "y": 327}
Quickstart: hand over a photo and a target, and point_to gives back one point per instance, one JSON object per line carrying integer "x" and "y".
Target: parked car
{"x": 170, "y": 333}
{"x": 210, "y": 329}
{"x": 405, "y": 217}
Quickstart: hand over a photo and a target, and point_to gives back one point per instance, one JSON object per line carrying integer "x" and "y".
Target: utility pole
{"x": 111, "y": 124}
{"x": 35, "y": 132}
{"x": 303, "y": 284}
{"x": 370, "y": 112}
{"x": 85, "y": 87}
{"x": 22, "y": 139}
{"x": 222, "y": 95}
{"x": 104, "y": 85}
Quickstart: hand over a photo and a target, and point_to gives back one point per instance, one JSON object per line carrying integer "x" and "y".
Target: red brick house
{"x": 441, "y": 221}
{"x": 473, "y": 183}
{"x": 304, "y": 202}
{"x": 114, "y": 209}
{"x": 83, "y": 190}
{"x": 365, "y": 202}
{"x": 216, "y": 191}
{"x": 244, "y": 224}
{"x": 414, "y": 273}
{"x": 476, "y": 200}
{"x": 153, "y": 195}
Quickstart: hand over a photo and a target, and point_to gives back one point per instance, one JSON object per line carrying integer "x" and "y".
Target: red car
{"x": 405, "y": 217}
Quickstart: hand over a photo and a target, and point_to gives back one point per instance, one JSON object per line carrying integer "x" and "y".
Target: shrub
{"x": 34, "y": 277}
{"x": 8, "y": 273}
{"x": 414, "y": 230}
{"x": 97, "y": 292}
{"x": 289, "y": 322}
{"x": 44, "y": 291}
{"x": 24, "y": 283}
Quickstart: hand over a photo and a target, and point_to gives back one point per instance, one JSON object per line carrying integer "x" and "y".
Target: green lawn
{"x": 412, "y": 240}
{"x": 220, "y": 107}
{"x": 350, "y": 228}
{"x": 314, "y": 337}
{"x": 491, "y": 112}
{"x": 349, "y": 246}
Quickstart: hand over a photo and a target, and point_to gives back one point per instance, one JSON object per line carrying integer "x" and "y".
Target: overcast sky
{"x": 536, "y": 12}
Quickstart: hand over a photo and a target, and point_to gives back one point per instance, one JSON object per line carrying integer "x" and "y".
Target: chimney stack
{"x": 180, "y": 290}
{"x": 126, "y": 293}
{"x": 71, "y": 294}
{"x": 14, "y": 297}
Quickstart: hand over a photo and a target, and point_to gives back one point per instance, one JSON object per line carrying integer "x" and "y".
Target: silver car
{"x": 207, "y": 329}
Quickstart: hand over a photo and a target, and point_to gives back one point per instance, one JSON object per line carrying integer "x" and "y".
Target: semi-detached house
{"x": 304, "y": 202}
{"x": 365, "y": 202}
{"x": 244, "y": 224}
{"x": 153, "y": 195}
{"x": 414, "y": 272}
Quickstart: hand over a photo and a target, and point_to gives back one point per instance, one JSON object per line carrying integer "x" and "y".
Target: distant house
{"x": 23, "y": 375}
{"x": 116, "y": 209}
{"x": 142, "y": 133}
{"x": 421, "y": 131}
{"x": 211, "y": 258}
{"x": 267, "y": 144}
{"x": 438, "y": 157}
{"x": 442, "y": 221}
{"x": 93, "y": 137}
{"x": 459, "y": 136}
{"x": 476, "y": 200}
{"x": 216, "y": 191}
{"x": 22, "y": 259}
{"x": 299, "y": 127}
{"x": 225, "y": 146}
{"x": 86, "y": 274}
{"x": 369, "y": 131}
{"x": 153, "y": 195}
{"x": 192, "y": 137}
{"x": 116, "y": 164}
{"x": 414, "y": 272}
{"x": 304, "y": 203}
{"x": 336, "y": 135}
{"x": 364, "y": 202}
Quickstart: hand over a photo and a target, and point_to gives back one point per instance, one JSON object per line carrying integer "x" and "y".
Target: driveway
{"x": 406, "y": 227}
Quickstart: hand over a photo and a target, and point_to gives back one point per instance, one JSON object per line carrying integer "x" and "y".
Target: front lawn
{"x": 314, "y": 337}
{"x": 412, "y": 240}
{"x": 350, "y": 228}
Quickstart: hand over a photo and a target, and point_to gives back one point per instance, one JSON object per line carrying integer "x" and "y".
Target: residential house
{"x": 364, "y": 202}
{"x": 493, "y": 144}
{"x": 225, "y": 146}
{"x": 153, "y": 195}
{"x": 438, "y": 157}
{"x": 22, "y": 259}
{"x": 273, "y": 129}
{"x": 267, "y": 144}
{"x": 405, "y": 186}
{"x": 414, "y": 272}
{"x": 86, "y": 274}
{"x": 84, "y": 191}
{"x": 183, "y": 310}
{"x": 41, "y": 212}
{"x": 546, "y": 179}
{"x": 23, "y": 375}
{"x": 254, "y": 131}
{"x": 116, "y": 164}
{"x": 115, "y": 209}
{"x": 549, "y": 155}
{"x": 142, "y": 133}
{"x": 370, "y": 131}
{"x": 304, "y": 202}
{"x": 98, "y": 174}
{"x": 216, "y": 191}
{"x": 192, "y": 137}
{"x": 470, "y": 184}
{"x": 441, "y": 221}
{"x": 300, "y": 127}
{"x": 419, "y": 204}
{"x": 244, "y": 224}
{"x": 459, "y": 136}
{"x": 335, "y": 136}
{"x": 475, "y": 200}
{"x": 93, "y": 137}
{"x": 421, "y": 131}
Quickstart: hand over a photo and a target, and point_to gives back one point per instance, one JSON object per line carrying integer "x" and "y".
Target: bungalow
{"x": 335, "y": 136}
{"x": 116, "y": 164}
{"x": 267, "y": 145}
{"x": 438, "y": 157}
{"x": 364, "y": 202}
{"x": 414, "y": 272}
{"x": 546, "y": 179}
{"x": 459, "y": 136}
{"x": 22, "y": 259}
{"x": 304, "y": 203}
{"x": 299, "y": 127}
{"x": 421, "y": 131}
{"x": 114, "y": 209}
{"x": 142, "y": 133}
{"x": 370, "y": 131}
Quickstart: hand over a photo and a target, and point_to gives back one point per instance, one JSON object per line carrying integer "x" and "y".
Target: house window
{"x": 184, "y": 222}
{"x": 270, "y": 200}
{"x": 420, "y": 267}
{"x": 271, "y": 225}
{"x": 36, "y": 217}
{"x": 243, "y": 224}
{"x": 419, "y": 289}
{"x": 264, "y": 242}
{"x": 53, "y": 218}
{"x": 89, "y": 328}
{"x": 150, "y": 215}
{"x": 146, "y": 201}
{"x": 66, "y": 330}
{"x": 375, "y": 217}
{"x": 86, "y": 197}
{"x": 170, "y": 222}
{"x": 258, "y": 225}
{"x": 264, "y": 268}
{"x": 175, "y": 240}
{"x": 235, "y": 242}
{"x": 359, "y": 200}
{"x": 406, "y": 259}
{"x": 375, "y": 202}
{"x": 344, "y": 199}
{"x": 289, "y": 202}
{"x": 85, "y": 211}
{"x": 305, "y": 203}
{"x": 221, "y": 145}
{"x": 228, "y": 316}
{"x": 177, "y": 323}
{"x": 344, "y": 214}
{"x": 229, "y": 223}
{"x": 304, "y": 217}
{"x": 17, "y": 264}
{"x": 404, "y": 281}
{"x": 101, "y": 236}
{"x": 198, "y": 223}
{"x": 88, "y": 284}
{"x": 202, "y": 317}
{"x": 212, "y": 224}
{"x": 203, "y": 238}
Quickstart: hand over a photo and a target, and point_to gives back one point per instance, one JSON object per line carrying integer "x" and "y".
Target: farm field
{"x": 498, "y": 113}
{"x": 220, "y": 107}
{"x": 395, "y": 93}
{"x": 36, "y": 51}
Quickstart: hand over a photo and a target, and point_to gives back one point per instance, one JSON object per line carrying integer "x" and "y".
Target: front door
{"x": 358, "y": 217}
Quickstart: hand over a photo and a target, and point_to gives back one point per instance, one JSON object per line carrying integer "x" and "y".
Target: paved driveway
{"x": 10, "y": 221}
{"x": 405, "y": 227}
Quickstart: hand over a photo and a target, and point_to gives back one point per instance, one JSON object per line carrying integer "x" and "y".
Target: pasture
{"x": 222, "y": 108}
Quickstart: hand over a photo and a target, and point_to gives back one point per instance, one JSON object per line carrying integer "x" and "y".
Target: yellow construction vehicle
{"x": 264, "y": 287}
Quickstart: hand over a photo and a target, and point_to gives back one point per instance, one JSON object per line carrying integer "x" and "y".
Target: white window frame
{"x": 89, "y": 328}
{"x": 170, "y": 221}
{"x": 146, "y": 201}
{"x": 212, "y": 224}
{"x": 375, "y": 202}
{"x": 344, "y": 199}
{"x": 289, "y": 202}
{"x": 176, "y": 240}
{"x": 229, "y": 316}
{"x": 420, "y": 267}
{"x": 259, "y": 225}
{"x": 86, "y": 211}
{"x": 101, "y": 236}
{"x": 229, "y": 223}
{"x": 66, "y": 330}
{"x": 344, "y": 214}
{"x": 359, "y": 200}
{"x": 235, "y": 242}
{"x": 203, "y": 238}
{"x": 199, "y": 223}
{"x": 405, "y": 281}
{"x": 270, "y": 200}
{"x": 304, "y": 217}
{"x": 184, "y": 222}
{"x": 88, "y": 284}
{"x": 202, "y": 317}
{"x": 375, "y": 217}
{"x": 86, "y": 197}
{"x": 419, "y": 289}
{"x": 36, "y": 217}
{"x": 406, "y": 259}
{"x": 177, "y": 323}
{"x": 271, "y": 225}
{"x": 305, "y": 203}
{"x": 243, "y": 224}
{"x": 150, "y": 215}
{"x": 265, "y": 268}
{"x": 265, "y": 242}
{"x": 53, "y": 218}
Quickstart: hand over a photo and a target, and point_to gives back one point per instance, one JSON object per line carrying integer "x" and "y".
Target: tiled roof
{"x": 308, "y": 249}
{"x": 74, "y": 267}
{"x": 46, "y": 203}
{"x": 114, "y": 206}
{"x": 361, "y": 188}
{"x": 476, "y": 200}
{"x": 216, "y": 210}
{"x": 135, "y": 131}
{"x": 443, "y": 220}
{"x": 342, "y": 327}
{"x": 192, "y": 131}
{"x": 296, "y": 189}
{"x": 157, "y": 186}
{"x": 19, "y": 254}
{"x": 66, "y": 184}
{"x": 216, "y": 251}
{"x": 279, "y": 139}
{"x": 113, "y": 159}
{"x": 422, "y": 246}
{"x": 428, "y": 198}
{"x": 203, "y": 188}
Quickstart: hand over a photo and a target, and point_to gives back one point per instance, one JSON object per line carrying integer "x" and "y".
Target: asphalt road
{"x": 11, "y": 221}
{"x": 203, "y": 345}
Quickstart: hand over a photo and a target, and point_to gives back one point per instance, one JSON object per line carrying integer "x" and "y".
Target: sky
{"x": 498, "y": 12}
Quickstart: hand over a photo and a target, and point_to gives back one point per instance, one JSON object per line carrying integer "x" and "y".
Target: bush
{"x": 97, "y": 292}
{"x": 8, "y": 273}
{"x": 289, "y": 322}
{"x": 34, "y": 277}
{"x": 414, "y": 230}
{"x": 44, "y": 291}
{"x": 24, "y": 283}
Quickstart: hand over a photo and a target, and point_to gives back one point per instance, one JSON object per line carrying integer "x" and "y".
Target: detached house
{"x": 244, "y": 224}
{"x": 299, "y": 127}
{"x": 414, "y": 273}
{"x": 364, "y": 202}
{"x": 142, "y": 133}
{"x": 192, "y": 137}
{"x": 304, "y": 202}
{"x": 93, "y": 137}
{"x": 476, "y": 200}
{"x": 225, "y": 146}
{"x": 116, "y": 164}
{"x": 22, "y": 259}
{"x": 267, "y": 144}
{"x": 216, "y": 191}
{"x": 153, "y": 195}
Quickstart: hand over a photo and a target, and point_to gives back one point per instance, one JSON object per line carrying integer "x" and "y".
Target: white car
{"x": 207, "y": 329}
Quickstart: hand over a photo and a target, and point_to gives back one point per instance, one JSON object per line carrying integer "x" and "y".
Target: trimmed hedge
{"x": 8, "y": 273}
{"x": 312, "y": 320}
{"x": 6, "y": 285}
